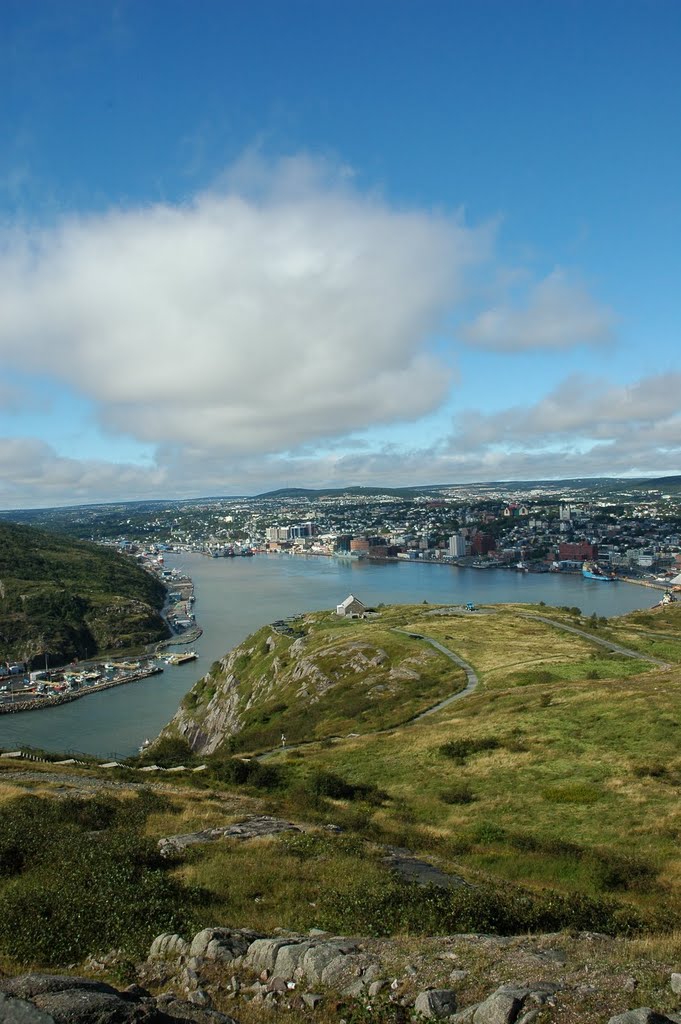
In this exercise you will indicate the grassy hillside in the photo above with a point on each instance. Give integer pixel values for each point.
(71, 599)
(561, 770)
(318, 676)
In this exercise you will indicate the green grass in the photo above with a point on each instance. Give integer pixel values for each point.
(335, 677)
(562, 742)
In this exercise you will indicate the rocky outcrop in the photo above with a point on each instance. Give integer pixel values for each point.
(64, 999)
(344, 976)
(253, 827)
(278, 669)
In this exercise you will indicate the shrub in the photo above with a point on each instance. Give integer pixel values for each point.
(461, 749)
(459, 793)
(168, 751)
(71, 891)
(405, 907)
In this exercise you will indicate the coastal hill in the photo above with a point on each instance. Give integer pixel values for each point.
(561, 767)
(71, 599)
(514, 854)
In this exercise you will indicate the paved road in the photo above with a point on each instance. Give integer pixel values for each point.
(599, 640)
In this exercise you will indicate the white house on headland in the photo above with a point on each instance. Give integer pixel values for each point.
(351, 608)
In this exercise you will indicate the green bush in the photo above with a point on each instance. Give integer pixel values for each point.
(399, 907)
(81, 878)
(459, 793)
(461, 749)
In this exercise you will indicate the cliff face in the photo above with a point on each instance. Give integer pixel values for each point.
(320, 677)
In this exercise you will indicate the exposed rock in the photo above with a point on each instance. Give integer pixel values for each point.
(457, 976)
(311, 999)
(289, 958)
(168, 946)
(502, 1007)
(18, 1011)
(26, 986)
(223, 944)
(199, 998)
(436, 1003)
(404, 863)
(676, 984)
(63, 999)
(355, 989)
(375, 987)
(262, 953)
(253, 827)
(464, 1016)
(316, 964)
(85, 1006)
(188, 1013)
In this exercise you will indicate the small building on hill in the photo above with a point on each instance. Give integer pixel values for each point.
(351, 608)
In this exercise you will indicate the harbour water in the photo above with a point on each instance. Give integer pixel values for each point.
(234, 596)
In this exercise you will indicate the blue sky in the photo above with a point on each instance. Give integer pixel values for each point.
(243, 245)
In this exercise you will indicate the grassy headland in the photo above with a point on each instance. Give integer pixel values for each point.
(68, 598)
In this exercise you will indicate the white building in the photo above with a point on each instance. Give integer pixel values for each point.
(457, 546)
(351, 608)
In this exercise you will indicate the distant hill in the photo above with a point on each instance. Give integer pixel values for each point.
(70, 599)
(356, 492)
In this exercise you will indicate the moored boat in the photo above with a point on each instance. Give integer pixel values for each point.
(591, 571)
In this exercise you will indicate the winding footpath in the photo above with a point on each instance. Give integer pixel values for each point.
(471, 676)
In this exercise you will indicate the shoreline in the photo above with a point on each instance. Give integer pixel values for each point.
(41, 703)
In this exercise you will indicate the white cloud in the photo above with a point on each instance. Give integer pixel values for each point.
(559, 313)
(583, 407)
(243, 321)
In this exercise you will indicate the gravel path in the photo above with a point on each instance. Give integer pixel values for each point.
(599, 640)
(471, 675)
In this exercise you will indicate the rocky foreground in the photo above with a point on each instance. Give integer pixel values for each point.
(225, 975)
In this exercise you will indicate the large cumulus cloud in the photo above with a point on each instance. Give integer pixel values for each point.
(241, 321)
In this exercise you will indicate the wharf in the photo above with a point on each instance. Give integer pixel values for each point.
(39, 703)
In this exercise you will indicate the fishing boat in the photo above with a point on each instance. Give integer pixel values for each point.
(591, 571)
(180, 659)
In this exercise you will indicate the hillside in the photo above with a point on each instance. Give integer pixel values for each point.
(561, 769)
(314, 677)
(517, 847)
(67, 598)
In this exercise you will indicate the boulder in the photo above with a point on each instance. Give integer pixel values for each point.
(319, 957)
(676, 984)
(289, 958)
(26, 986)
(18, 1011)
(85, 1006)
(436, 1003)
(188, 1013)
(502, 1007)
(168, 946)
(223, 944)
(262, 953)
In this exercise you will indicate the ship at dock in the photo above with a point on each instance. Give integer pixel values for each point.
(181, 659)
(591, 571)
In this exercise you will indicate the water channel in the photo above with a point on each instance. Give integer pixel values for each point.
(234, 596)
